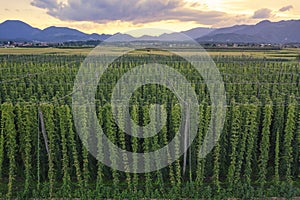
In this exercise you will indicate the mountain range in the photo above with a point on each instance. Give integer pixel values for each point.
(281, 32)
(19, 31)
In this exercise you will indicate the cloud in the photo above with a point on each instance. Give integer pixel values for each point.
(262, 13)
(286, 8)
(135, 11)
(45, 4)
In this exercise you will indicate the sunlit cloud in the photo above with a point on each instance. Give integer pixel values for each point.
(263, 13)
(286, 8)
(135, 11)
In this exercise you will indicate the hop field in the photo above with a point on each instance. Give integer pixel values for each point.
(42, 156)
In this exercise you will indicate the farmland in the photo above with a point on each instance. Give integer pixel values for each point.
(42, 156)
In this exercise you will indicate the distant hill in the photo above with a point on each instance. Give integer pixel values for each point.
(232, 38)
(61, 34)
(122, 38)
(198, 32)
(281, 32)
(18, 30)
(182, 36)
(263, 32)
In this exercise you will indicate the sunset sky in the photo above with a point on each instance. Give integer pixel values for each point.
(111, 16)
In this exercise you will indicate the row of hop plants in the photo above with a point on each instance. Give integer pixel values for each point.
(44, 78)
(249, 156)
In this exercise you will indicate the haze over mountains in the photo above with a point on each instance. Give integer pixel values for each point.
(281, 32)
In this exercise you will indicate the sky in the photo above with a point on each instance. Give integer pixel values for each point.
(112, 16)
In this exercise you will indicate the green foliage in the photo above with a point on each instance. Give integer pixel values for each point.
(264, 145)
(234, 135)
(63, 127)
(251, 134)
(200, 161)
(135, 147)
(288, 137)
(259, 145)
(26, 124)
(176, 116)
(47, 117)
(11, 143)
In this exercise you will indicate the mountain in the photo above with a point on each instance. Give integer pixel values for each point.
(232, 38)
(62, 34)
(181, 36)
(18, 30)
(119, 37)
(263, 32)
(198, 32)
(281, 32)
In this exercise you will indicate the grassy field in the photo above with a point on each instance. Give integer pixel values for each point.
(286, 54)
(48, 51)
